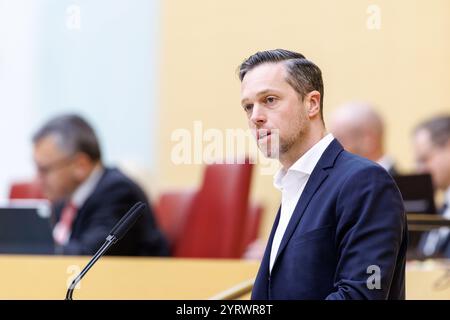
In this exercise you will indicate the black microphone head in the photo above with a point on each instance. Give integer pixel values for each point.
(127, 221)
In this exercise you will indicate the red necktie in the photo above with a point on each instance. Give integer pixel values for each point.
(62, 230)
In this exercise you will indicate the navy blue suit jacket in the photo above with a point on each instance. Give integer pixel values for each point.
(113, 196)
(349, 218)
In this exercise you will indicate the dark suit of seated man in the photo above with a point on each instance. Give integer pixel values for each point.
(432, 151)
(88, 198)
(341, 230)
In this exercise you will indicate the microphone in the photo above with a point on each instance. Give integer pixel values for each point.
(117, 233)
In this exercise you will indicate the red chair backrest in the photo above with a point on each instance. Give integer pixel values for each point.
(215, 227)
(172, 211)
(26, 190)
(252, 225)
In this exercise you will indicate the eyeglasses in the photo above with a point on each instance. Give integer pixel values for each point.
(45, 170)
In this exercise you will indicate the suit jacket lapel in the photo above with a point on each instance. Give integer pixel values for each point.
(260, 286)
(317, 177)
(82, 210)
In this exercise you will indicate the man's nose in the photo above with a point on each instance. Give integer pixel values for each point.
(258, 116)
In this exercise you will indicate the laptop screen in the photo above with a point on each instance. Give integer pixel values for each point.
(417, 192)
(25, 229)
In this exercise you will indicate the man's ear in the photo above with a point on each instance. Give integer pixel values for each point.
(313, 103)
(83, 165)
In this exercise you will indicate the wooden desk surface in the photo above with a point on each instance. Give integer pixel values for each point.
(46, 277)
(423, 278)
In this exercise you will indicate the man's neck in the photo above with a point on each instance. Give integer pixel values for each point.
(376, 155)
(84, 188)
(95, 166)
(297, 151)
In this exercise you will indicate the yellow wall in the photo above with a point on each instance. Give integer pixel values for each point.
(404, 68)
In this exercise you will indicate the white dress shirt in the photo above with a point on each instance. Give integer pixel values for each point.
(291, 183)
(61, 231)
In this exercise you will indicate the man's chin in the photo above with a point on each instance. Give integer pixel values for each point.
(269, 153)
(54, 198)
(270, 146)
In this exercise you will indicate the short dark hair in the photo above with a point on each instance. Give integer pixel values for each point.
(439, 129)
(73, 133)
(304, 75)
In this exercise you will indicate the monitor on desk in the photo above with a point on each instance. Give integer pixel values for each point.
(417, 192)
(25, 228)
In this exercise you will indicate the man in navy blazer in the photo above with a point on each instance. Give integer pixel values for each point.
(89, 198)
(111, 198)
(340, 232)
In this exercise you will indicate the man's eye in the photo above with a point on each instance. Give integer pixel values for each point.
(248, 107)
(270, 100)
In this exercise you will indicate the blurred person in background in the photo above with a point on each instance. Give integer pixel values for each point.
(88, 198)
(360, 129)
(431, 141)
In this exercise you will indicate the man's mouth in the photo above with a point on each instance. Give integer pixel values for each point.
(263, 133)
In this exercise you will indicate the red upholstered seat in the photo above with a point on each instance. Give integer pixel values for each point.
(216, 221)
(172, 210)
(216, 225)
(26, 190)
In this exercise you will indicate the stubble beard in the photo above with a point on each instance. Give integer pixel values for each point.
(288, 143)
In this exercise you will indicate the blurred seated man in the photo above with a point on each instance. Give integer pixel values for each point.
(88, 198)
(432, 151)
(360, 130)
